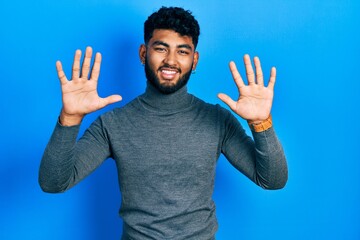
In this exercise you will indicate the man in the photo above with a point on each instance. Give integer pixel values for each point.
(165, 142)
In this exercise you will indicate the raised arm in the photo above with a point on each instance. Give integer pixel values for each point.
(66, 161)
(261, 159)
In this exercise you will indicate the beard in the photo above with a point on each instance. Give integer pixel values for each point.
(166, 89)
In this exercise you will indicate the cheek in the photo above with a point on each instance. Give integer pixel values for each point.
(154, 61)
(187, 64)
(151, 63)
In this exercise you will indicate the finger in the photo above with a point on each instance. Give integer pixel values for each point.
(272, 78)
(60, 72)
(109, 100)
(227, 100)
(259, 73)
(236, 75)
(76, 65)
(86, 64)
(249, 70)
(96, 68)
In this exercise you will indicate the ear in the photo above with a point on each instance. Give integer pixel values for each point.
(142, 53)
(195, 60)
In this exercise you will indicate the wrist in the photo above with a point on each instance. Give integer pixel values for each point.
(260, 126)
(70, 119)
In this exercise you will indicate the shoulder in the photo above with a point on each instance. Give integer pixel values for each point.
(213, 108)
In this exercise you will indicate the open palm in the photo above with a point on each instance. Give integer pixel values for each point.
(79, 95)
(255, 100)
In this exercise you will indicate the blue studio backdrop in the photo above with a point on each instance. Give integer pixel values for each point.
(315, 47)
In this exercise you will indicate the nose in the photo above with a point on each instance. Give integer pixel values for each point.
(170, 58)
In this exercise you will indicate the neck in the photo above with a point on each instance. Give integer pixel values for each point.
(155, 100)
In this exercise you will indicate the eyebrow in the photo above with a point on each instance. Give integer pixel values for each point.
(156, 43)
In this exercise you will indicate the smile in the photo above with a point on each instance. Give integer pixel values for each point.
(168, 71)
(168, 74)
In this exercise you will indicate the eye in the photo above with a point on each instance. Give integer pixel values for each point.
(160, 49)
(183, 52)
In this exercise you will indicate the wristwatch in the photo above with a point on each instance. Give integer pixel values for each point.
(261, 126)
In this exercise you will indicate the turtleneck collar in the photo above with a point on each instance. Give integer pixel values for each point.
(154, 100)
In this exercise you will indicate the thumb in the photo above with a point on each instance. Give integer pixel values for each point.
(110, 99)
(227, 100)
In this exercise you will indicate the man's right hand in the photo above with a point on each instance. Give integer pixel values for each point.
(79, 95)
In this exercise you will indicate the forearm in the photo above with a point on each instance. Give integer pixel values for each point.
(56, 168)
(260, 158)
(270, 163)
(67, 161)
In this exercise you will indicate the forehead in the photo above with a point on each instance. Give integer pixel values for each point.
(170, 37)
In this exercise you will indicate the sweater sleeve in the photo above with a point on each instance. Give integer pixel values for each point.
(261, 159)
(66, 161)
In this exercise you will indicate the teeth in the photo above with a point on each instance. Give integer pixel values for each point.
(168, 72)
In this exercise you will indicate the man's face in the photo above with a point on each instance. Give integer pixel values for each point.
(169, 59)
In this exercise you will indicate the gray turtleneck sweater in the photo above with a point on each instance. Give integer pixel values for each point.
(165, 148)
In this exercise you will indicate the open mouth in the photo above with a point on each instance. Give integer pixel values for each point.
(168, 74)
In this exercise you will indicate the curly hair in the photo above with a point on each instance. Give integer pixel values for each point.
(172, 18)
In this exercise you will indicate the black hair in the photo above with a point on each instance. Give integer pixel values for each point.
(172, 18)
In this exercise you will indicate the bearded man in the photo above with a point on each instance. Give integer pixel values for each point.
(166, 142)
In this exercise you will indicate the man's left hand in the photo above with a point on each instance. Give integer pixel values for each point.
(255, 100)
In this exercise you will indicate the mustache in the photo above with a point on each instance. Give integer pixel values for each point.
(169, 67)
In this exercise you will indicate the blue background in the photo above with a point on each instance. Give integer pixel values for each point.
(315, 47)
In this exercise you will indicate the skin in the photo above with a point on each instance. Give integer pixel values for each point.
(255, 99)
(169, 56)
(79, 95)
